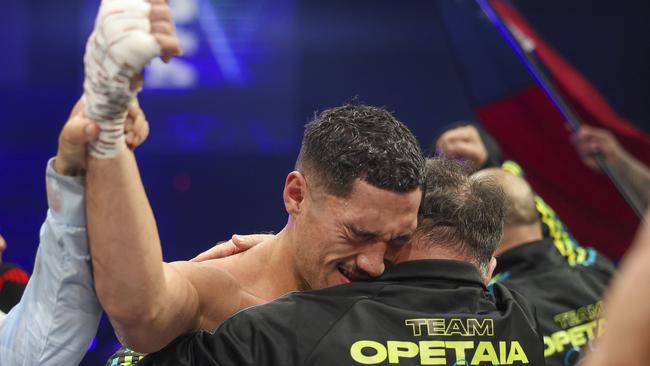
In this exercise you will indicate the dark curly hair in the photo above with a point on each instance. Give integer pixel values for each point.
(359, 141)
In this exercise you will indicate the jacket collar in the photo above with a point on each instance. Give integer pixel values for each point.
(530, 256)
(433, 269)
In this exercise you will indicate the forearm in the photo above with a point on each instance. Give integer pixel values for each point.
(627, 326)
(149, 303)
(638, 177)
(124, 241)
(58, 314)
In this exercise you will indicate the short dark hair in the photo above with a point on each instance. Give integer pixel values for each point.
(359, 141)
(461, 212)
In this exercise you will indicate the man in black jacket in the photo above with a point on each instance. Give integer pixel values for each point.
(567, 294)
(432, 308)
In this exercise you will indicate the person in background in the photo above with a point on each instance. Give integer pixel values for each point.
(591, 140)
(567, 298)
(58, 314)
(470, 142)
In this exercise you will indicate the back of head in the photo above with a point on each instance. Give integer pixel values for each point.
(460, 212)
(358, 141)
(520, 202)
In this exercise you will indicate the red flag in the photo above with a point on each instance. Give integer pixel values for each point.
(532, 131)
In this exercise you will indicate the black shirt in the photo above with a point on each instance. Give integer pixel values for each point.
(567, 297)
(420, 312)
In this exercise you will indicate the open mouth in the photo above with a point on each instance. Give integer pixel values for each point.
(350, 276)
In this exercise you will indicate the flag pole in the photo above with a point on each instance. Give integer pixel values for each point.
(525, 53)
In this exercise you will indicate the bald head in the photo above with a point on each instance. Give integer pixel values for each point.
(520, 202)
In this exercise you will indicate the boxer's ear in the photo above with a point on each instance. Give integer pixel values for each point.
(295, 192)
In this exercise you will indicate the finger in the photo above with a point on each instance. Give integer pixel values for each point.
(444, 148)
(218, 251)
(591, 163)
(80, 130)
(129, 124)
(593, 133)
(160, 12)
(141, 131)
(169, 45)
(587, 130)
(246, 242)
(465, 133)
(163, 28)
(464, 150)
(134, 108)
(129, 138)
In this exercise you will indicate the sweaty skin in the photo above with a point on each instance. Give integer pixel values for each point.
(327, 241)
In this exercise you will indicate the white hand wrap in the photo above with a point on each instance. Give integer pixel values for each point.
(118, 48)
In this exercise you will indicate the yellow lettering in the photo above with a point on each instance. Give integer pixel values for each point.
(485, 327)
(560, 339)
(590, 329)
(516, 354)
(416, 324)
(577, 334)
(436, 326)
(432, 353)
(397, 349)
(485, 353)
(460, 347)
(356, 351)
(456, 327)
(549, 348)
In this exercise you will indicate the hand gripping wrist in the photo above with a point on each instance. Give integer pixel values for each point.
(118, 48)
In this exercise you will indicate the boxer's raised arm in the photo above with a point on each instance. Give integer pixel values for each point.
(149, 302)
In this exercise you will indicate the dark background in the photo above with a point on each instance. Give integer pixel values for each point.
(227, 119)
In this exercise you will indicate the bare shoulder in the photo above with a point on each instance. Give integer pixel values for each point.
(219, 292)
(200, 272)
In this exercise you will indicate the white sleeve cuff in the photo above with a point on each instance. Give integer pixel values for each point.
(65, 197)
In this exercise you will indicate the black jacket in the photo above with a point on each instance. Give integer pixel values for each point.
(420, 312)
(567, 297)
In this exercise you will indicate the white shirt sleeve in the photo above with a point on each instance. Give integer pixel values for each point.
(59, 313)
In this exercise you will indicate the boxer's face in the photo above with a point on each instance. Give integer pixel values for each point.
(353, 238)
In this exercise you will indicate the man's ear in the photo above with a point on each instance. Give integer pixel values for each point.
(488, 274)
(295, 192)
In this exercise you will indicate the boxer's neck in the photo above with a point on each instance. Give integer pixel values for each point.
(267, 270)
